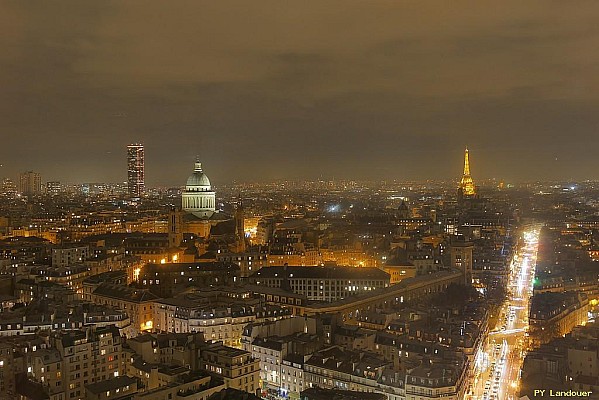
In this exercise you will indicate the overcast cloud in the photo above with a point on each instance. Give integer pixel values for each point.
(272, 89)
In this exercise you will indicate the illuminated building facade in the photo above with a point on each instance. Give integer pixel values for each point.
(224, 323)
(88, 355)
(138, 303)
(249, 262)
(197, 214)
(198, 198)
(322, 283)
(150, 248)
(71, 276)
(65, 256)
(236, 367)
(552, 315)
(467, 188)
(8, 187)
(135, 169)
(398, 273)
(53, 188)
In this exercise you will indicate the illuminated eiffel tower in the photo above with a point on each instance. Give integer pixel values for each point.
(467, 184)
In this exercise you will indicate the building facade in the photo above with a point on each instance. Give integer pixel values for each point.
(137, 303)
(30, 183)
(237, 367)
(556, 314)
(461, 251)
(69, 255)
(198, 213)
(322, 283)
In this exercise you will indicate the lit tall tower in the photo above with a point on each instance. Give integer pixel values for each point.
(467, 184)
(135, 169)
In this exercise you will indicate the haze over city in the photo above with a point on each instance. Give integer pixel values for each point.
(333, 89)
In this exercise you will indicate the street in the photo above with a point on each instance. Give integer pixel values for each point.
(499, 373)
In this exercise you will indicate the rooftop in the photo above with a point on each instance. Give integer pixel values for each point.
(110, 384)
(332, 272)
(126, 293)
(336, 394)
(184, 267)
(223, 350)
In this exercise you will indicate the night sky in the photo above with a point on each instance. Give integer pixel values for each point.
(264, 90)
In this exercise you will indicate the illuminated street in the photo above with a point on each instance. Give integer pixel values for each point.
(504, 354)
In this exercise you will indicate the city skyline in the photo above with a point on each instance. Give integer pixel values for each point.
(135, 177)
(332, 90)
(134, 182)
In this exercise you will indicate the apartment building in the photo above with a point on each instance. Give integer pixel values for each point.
(238, 368)
(322, 283)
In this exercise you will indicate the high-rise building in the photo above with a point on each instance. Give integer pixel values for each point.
(135, 169)
(467, 184)
(30, 183)
(8, 187)
(53, 188)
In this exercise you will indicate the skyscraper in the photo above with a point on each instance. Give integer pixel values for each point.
(30, 183)
(135, 169)
(8, 187)
(53, 188)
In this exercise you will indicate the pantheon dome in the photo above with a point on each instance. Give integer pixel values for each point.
(198, 198)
